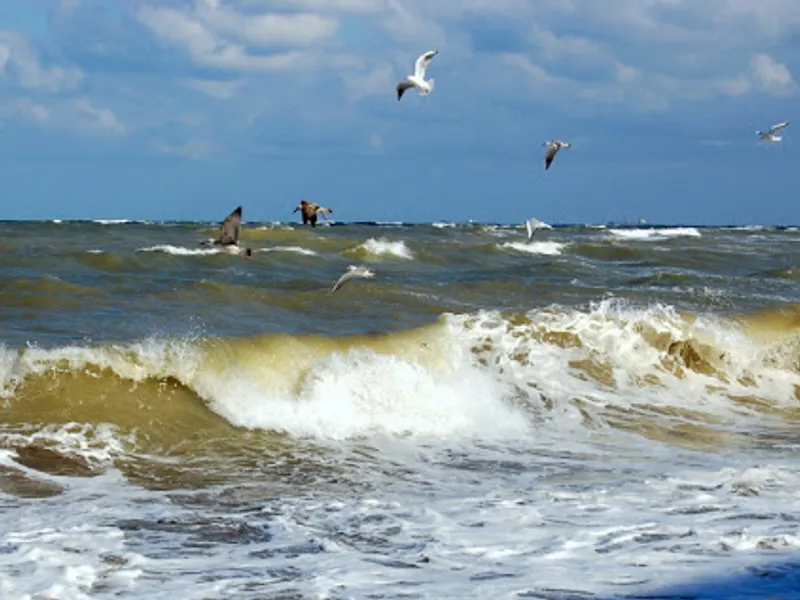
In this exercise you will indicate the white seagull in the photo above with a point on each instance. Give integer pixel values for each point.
(771, 135)
(533, 224)
(553, 146)
(351, 273)
(417, 80)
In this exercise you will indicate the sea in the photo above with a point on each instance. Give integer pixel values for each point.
(598, 412)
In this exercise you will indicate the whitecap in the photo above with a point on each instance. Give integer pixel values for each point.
(386, 247)
(547, 248)
(180, 250)
(655, 234)
(295, 249)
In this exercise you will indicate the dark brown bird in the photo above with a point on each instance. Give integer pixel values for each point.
(229, 235)
(310, 211)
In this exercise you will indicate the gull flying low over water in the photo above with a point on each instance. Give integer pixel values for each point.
(553, 146)
(352, 272)
(772, 134)
(531, 225)
(229, 235)
(310, 210)
(417, 80)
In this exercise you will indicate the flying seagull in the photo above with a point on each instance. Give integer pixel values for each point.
(417, 80)
(531, 225)
(229, 235)
(310, 210)
(553, 146)
(771, 135)
(351, 273)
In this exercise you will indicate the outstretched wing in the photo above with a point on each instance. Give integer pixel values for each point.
(231, 227)
(422, 63)
(778, 126)
(348, 275)
(402, 87)
(550, 154)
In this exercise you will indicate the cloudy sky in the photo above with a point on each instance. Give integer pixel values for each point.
(182, 109)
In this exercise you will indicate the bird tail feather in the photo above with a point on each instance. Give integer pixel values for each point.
(431, 82)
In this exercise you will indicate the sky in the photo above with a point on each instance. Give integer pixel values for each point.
(184, 109)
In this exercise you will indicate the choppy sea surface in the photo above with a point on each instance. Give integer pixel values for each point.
(599, 412)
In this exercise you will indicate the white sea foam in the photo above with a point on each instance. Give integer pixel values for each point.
(363, 393)
(655, 234)
(500, 432)
(180, 250)
(546, 248)
(275, 225)
(386, 247)
(112, 221)
(293, 249)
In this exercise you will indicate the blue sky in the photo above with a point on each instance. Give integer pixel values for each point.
(182, 109)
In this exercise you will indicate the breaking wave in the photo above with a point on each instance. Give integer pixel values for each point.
(482, 375)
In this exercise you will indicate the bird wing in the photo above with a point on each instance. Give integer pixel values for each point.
(778, 126)
(231, 227)
(529, 226)
(402, 87)
(422, 63)
(552, 150)
(343, 279)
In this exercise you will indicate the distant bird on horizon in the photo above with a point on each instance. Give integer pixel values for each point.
(229, 235)
(417, 80)
(310, 211)
(553, 146)
(352, 272)
(771, 135)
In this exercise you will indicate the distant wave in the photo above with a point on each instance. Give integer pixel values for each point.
(655, 234)
(180, 250)
(295, 249)
(112, 221)
(384, 247)
(546, 248)
(272, 225)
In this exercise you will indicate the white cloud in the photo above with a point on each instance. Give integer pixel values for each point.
(33, 110)
(5, 55)
(378, 81)
(266, 29)
(223, 90)
(194, 149)
(19, 61)
(102, 120)
(217, 36)
(771, 76)
(329, 6)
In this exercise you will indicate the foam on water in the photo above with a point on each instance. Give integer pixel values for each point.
(180, 250)
(364, 393)
(294, 249)
(386, 247)
(506, 479)
(655, 234)
(545, 248)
